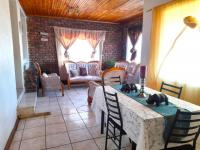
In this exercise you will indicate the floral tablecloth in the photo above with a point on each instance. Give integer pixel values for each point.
(143, 125)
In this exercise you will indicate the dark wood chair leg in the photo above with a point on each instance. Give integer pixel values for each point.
(62, 89)
(68, 84)
(42, 91)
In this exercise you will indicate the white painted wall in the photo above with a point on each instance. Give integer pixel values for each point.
(147, 22)
(8, 99)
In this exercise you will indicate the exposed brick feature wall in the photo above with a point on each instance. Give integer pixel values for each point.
(45, 52)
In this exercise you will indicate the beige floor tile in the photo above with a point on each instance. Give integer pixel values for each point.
(34, 122)
(55, 128)
(64, 99)
(75, 125)
(33, 132)
(91, 122)
(67, 106)
(65, 147)
(55, 113)
(85, 145)
(87, 115)
(18, 136)
(65, 103)
(21, 124)
(72, 117)
(54, 120)
(130, 147)
(14, 146)
(79, 135)
(96, 132)
(33, 144)
(68, 111)
(57, 140)
(101, 144)
(84, 108)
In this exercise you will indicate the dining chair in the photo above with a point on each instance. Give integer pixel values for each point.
(110, 76)
(113, 76)
(112, 80)
(176, 90)
(184, 130)
(114, 128)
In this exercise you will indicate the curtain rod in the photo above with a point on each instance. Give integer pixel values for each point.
(79, 28)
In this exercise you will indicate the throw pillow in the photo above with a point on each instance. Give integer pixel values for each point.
(83, 71)
(93, 69)
(45, 75)
(74, 73)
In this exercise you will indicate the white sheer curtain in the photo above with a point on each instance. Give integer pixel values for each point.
(175, 60)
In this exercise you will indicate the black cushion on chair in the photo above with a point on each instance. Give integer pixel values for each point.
(183, 147)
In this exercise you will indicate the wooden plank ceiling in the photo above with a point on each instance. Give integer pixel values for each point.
(96, 10)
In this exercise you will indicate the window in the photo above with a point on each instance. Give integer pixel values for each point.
(81, 50)
(178, 48)
(138, 47)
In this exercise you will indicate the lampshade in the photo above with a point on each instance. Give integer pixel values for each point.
(190, 21)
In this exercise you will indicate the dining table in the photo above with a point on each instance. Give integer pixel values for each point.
(143, 125)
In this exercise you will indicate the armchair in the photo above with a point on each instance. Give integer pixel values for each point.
(132, 73)
(122, 64)
(49, 81)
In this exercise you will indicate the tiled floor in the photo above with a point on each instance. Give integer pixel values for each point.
(71, 125)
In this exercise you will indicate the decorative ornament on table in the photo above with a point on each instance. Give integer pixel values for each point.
(142, 78)
(158, 99)
(127, 88)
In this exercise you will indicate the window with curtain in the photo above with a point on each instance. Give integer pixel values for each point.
(138, 48)
(175, 48)
(81, 50)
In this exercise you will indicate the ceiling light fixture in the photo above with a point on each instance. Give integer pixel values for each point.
(72, 10)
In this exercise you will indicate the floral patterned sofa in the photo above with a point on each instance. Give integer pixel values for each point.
(83, 72)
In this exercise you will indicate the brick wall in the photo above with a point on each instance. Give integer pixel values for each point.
(45, 52)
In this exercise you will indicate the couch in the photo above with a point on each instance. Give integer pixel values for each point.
(82, 72)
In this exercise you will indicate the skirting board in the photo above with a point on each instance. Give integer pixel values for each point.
(12, 134)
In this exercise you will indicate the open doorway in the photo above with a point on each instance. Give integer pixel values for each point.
(20, 47)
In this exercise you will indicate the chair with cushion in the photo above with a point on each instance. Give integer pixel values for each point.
(131, 68)
(184, 131)
(171, 89)
(114, 125)
(49, 81)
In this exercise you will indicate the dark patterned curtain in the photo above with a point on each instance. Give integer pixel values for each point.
(134, 34)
